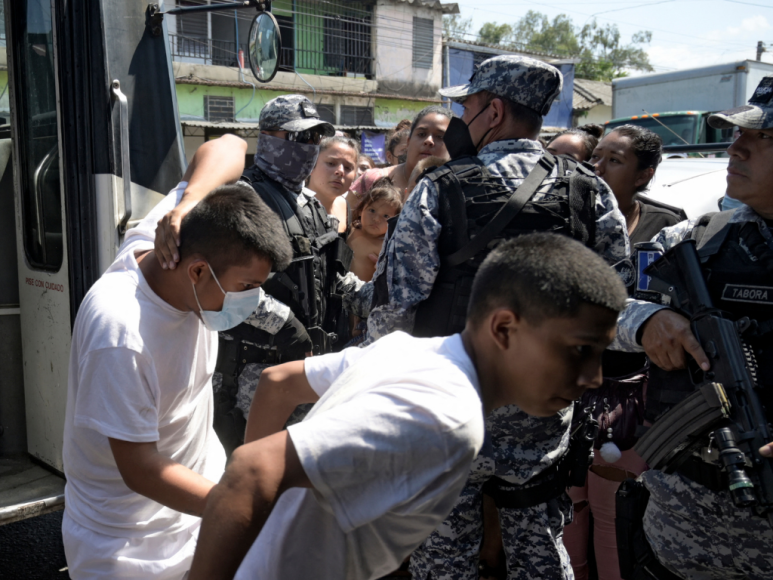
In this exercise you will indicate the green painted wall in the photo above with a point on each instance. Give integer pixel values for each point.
(391, 111)
(190, 99)
(309, 32)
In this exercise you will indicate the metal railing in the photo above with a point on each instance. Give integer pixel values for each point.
(208, 50)
(224, 53)
(330, 64)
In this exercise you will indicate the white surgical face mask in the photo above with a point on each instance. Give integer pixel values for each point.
(237, 307)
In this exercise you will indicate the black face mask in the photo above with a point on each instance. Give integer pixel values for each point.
(458, 140)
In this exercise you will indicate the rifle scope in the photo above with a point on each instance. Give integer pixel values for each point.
(740, 486)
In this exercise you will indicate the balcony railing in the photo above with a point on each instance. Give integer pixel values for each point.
(206, 50)
(224, 53)
(324, 63)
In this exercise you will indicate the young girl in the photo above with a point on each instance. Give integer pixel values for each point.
(369, 226)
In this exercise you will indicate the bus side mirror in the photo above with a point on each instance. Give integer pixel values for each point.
(265, 46)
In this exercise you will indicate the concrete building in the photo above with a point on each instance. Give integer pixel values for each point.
(365, 64)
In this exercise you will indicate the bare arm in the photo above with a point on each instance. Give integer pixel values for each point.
(280, 389)
(147, 472)
(240, 504)
(215, 163)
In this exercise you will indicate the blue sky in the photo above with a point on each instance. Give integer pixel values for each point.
(685, 33)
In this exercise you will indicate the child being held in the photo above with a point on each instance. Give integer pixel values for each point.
(369, 226)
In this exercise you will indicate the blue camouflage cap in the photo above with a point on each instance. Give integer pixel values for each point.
(293, 113)
(758, 114)
(523, 80)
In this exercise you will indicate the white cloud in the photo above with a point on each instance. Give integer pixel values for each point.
(748, 25)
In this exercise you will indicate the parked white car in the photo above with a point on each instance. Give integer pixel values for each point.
(696, 185)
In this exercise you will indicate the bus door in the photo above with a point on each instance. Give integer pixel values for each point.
(93, 142)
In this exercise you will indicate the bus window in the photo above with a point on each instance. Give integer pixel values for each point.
(37, 144)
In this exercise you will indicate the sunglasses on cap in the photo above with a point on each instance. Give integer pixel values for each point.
(309, 136)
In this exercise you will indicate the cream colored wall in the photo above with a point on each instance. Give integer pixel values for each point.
(394, 44)
(599, 114)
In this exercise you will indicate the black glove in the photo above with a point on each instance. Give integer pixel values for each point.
(292, 341)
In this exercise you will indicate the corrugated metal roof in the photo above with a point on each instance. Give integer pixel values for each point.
(450, 8)
(588, 94)
(256, 126)
(226, 126)
(361, 128)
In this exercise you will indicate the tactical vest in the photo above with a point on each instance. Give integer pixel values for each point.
(737, 264)
(477, 211)
(308, 285)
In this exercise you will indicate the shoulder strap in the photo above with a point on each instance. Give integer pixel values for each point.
(711, 236)
(506, 213)
(273, 197)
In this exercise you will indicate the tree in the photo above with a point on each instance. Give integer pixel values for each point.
(603, 55)
(455, 27)
(535, 31)
(492, 33)
(600, 50)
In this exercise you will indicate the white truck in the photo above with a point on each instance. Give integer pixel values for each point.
(676, 104)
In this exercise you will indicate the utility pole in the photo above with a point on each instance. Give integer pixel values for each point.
(760, 49)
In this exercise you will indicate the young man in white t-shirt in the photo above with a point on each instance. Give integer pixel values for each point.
(380, 460)
(140, 453)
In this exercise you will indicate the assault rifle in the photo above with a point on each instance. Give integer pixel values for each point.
(724, 407)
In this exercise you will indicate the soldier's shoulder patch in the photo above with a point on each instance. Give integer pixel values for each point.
(626, 271)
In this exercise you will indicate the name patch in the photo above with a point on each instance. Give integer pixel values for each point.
(754, 294)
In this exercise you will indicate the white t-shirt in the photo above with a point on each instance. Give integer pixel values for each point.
(140, 371)
(388, 448)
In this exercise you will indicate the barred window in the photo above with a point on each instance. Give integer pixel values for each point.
(423, 42)
(352, 116)
(193, 31)
(347, 45)
(219, 109)
(327, 113)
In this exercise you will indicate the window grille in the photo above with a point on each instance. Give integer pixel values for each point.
(193, 31)
(347, 44)
(287, 33)
(327, 113)
(423, 42)
(352, 116)
(219, 109)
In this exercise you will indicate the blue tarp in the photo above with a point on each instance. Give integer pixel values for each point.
(462, 62)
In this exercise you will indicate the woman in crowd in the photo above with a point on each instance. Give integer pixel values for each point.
(425, 139)
(578, 142)
(397, 144)
(333, 174)
(364, 162)
(626, 159)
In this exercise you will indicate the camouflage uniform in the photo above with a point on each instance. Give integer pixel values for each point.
(517, 448)
(411, 257)
(288, 163)
(637, 312)
(520, 446)
(695, 532)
